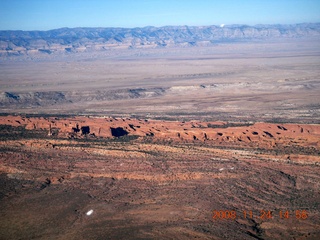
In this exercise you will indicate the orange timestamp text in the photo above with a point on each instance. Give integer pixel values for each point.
(263, 214)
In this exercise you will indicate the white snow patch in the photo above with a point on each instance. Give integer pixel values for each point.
(89, 212)
(222, 25)
(221, 169)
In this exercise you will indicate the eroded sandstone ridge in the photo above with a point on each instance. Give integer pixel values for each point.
(265, 135)
(144, 178)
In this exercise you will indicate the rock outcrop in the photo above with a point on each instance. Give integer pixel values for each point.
(299, 137)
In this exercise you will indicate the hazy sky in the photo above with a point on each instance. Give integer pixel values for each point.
(51, 14)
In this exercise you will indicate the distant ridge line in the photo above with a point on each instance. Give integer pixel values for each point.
(68, 40)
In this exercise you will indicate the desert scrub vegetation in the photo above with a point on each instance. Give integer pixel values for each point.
(14, 133)
(231, 124)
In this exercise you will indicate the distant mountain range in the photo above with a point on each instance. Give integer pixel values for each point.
(68, 40)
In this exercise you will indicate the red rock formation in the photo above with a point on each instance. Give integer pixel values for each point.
(266, 135)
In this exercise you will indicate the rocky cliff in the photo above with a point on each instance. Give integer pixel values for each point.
(68, 40)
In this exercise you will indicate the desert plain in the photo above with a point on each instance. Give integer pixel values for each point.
(217, 142)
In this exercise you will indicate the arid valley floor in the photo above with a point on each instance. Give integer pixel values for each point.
(217, 142)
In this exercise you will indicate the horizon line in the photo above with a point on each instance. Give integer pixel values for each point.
(222, 25)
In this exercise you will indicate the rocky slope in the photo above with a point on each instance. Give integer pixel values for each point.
(67, 40)
(286, 138)
(146, 179)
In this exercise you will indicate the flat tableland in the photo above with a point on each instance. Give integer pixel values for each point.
(237, 81)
